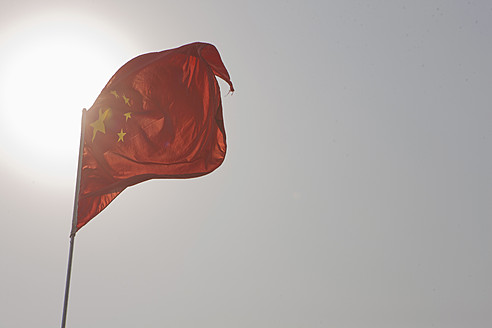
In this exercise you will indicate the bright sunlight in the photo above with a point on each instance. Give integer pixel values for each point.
(51, 68)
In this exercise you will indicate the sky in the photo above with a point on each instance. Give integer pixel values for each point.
(356, 191)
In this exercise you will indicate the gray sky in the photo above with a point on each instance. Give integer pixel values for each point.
(356, 191)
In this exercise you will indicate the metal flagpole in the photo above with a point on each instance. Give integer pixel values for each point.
(74, 220)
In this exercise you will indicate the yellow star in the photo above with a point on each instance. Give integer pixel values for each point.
(127, 116)
(115, 94)
(121, 134)
(127, 100)
(98, 125)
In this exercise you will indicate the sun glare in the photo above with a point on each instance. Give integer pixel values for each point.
(52, 67)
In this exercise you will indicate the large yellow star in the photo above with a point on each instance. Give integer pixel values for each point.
(98, 125)
(127, 116)
(127, 100)
(121, 134)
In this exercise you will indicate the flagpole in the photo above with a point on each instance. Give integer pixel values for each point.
(74, 220)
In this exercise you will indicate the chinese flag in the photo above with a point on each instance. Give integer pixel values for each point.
(159, 116)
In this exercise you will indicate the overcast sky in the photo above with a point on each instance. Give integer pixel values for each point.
(356, 191)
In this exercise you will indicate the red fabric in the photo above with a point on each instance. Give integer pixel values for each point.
(159, 116)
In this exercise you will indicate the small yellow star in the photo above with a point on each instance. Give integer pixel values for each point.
(121, 134)
(98, 125)
(127, 100)
(115, 94)
(127, 116)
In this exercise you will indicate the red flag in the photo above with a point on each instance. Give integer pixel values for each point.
(159, 116)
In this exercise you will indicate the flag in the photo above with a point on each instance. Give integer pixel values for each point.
(159, 116)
